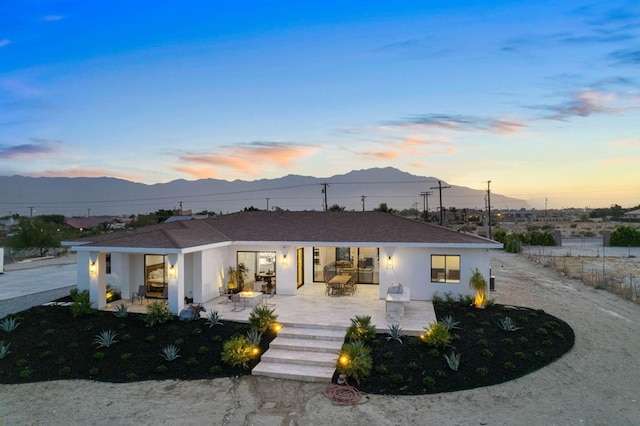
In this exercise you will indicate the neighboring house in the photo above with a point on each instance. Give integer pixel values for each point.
(92, 222)
(289, 249)
(633, 214)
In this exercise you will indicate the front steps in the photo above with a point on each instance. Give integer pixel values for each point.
(306, 353)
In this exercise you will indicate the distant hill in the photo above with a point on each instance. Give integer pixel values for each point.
(110, 196)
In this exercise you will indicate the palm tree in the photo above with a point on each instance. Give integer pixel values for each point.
(479, 284)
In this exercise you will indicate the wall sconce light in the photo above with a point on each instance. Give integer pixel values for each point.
(285, 260)
(389, 262)
(93, 268)
(172, 271)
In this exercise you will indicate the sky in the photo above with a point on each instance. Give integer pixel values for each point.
(542, 98)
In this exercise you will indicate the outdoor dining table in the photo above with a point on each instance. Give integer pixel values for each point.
(337, 284)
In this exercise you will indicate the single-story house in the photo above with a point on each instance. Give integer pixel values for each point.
(288, 249)
(633, 214)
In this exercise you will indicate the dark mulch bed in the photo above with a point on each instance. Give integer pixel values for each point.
(51, 344)
(489, 354)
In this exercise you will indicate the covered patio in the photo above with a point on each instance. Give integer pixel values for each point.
(312, 307)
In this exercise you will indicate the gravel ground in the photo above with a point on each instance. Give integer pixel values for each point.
(595, 384)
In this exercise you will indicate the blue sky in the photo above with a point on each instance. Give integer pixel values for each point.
(542, 98)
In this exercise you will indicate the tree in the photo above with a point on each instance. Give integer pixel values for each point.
(479, 284)
(336, 208)
(385, 209)
(36, 234)
(625, 236)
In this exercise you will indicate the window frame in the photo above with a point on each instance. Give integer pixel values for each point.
(447, 272)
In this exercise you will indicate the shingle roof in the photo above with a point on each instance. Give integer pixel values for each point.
(260, 226)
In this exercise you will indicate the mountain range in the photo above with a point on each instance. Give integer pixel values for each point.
(111, 196)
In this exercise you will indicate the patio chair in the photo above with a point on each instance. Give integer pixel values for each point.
(224, 293)
(266, 296)
(140, 294)
(237, 301)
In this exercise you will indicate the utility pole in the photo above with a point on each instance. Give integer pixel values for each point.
(267, 203)
(31, 209)
(489, 204)
(545, 208)
(180, 208)
(88, 212)
(440, 188)
(362, 197)
(324, 191)
(425, 199)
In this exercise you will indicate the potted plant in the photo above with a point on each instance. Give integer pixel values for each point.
(479, 284)
(237, 277)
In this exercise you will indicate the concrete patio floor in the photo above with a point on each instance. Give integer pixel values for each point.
(311, 306)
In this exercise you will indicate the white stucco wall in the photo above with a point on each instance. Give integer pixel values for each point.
(412, 268)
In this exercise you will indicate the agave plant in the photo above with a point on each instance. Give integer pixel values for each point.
(121, 311)
(453, 360)
(170, 352)
(4, 349)
(395, 332)
(9, 324)
(507, 324)
(255, 336)
(213, 318)
(449, 322)
(106, 338)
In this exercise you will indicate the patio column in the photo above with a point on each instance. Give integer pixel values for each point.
(176, 282)
(97, 279)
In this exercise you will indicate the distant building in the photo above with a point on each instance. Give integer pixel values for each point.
(633, 214)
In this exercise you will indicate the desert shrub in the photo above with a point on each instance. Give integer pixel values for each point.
(81, 303)
(161, 368)
(437, 335)
(121, 311)
(482, 371)
(125, 356)
(157, 313)
(254, 336)
(64, 371)
(450, 323)
(192, 361)
(507, 324)
(361, 329)
(540, 354)
(559, 335)
(98, 355)
(132, 377)
(486, 353)
(203, 350)
(179, 341)
(433, 353)
(216, 338)
(624, 236)
(453, 360)
(523, 340)
(213, 318)
(413, 366)
(262, 318)
(436, 298)
(4, 349)
(519, 355)
(396, 378)
(216, 369)
(483, 343)
(387, 355)
(542, 331)
(355, 360)
(429, 382)
(441, 374)
(170, 353)
(150, 338)
(509, 366)
(381, 369)
(25, 373)
(508, 341)
(395, 333)
(237, 352)
(105, 339)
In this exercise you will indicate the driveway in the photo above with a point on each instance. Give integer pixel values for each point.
(597, 383)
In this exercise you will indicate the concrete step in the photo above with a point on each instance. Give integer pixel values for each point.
(306, 345)
(283, 356)
(313, 333)
(305, 373)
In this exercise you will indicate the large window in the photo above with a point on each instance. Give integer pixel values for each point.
(445, 268)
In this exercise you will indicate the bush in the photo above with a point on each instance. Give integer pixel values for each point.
(262, 318)
(355, 361)
(624, 236)
(157, 313)
(437, 335)
(81, 303)
(237, 352)
(361, 329)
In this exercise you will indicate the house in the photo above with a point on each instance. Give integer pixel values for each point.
(633, 214)
(288, 249)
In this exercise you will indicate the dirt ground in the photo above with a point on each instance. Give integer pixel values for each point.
(595, 383)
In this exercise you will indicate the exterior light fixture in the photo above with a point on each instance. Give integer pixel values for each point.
(285, 260)
(389, 262)
(172, 271)
(93, 268)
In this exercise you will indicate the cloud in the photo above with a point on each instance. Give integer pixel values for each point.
(52, 18)
(4, 42)
(250, 158)
(461, 123)
(626, 57)
(38, 148)
(622, 160)
(583, 104)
